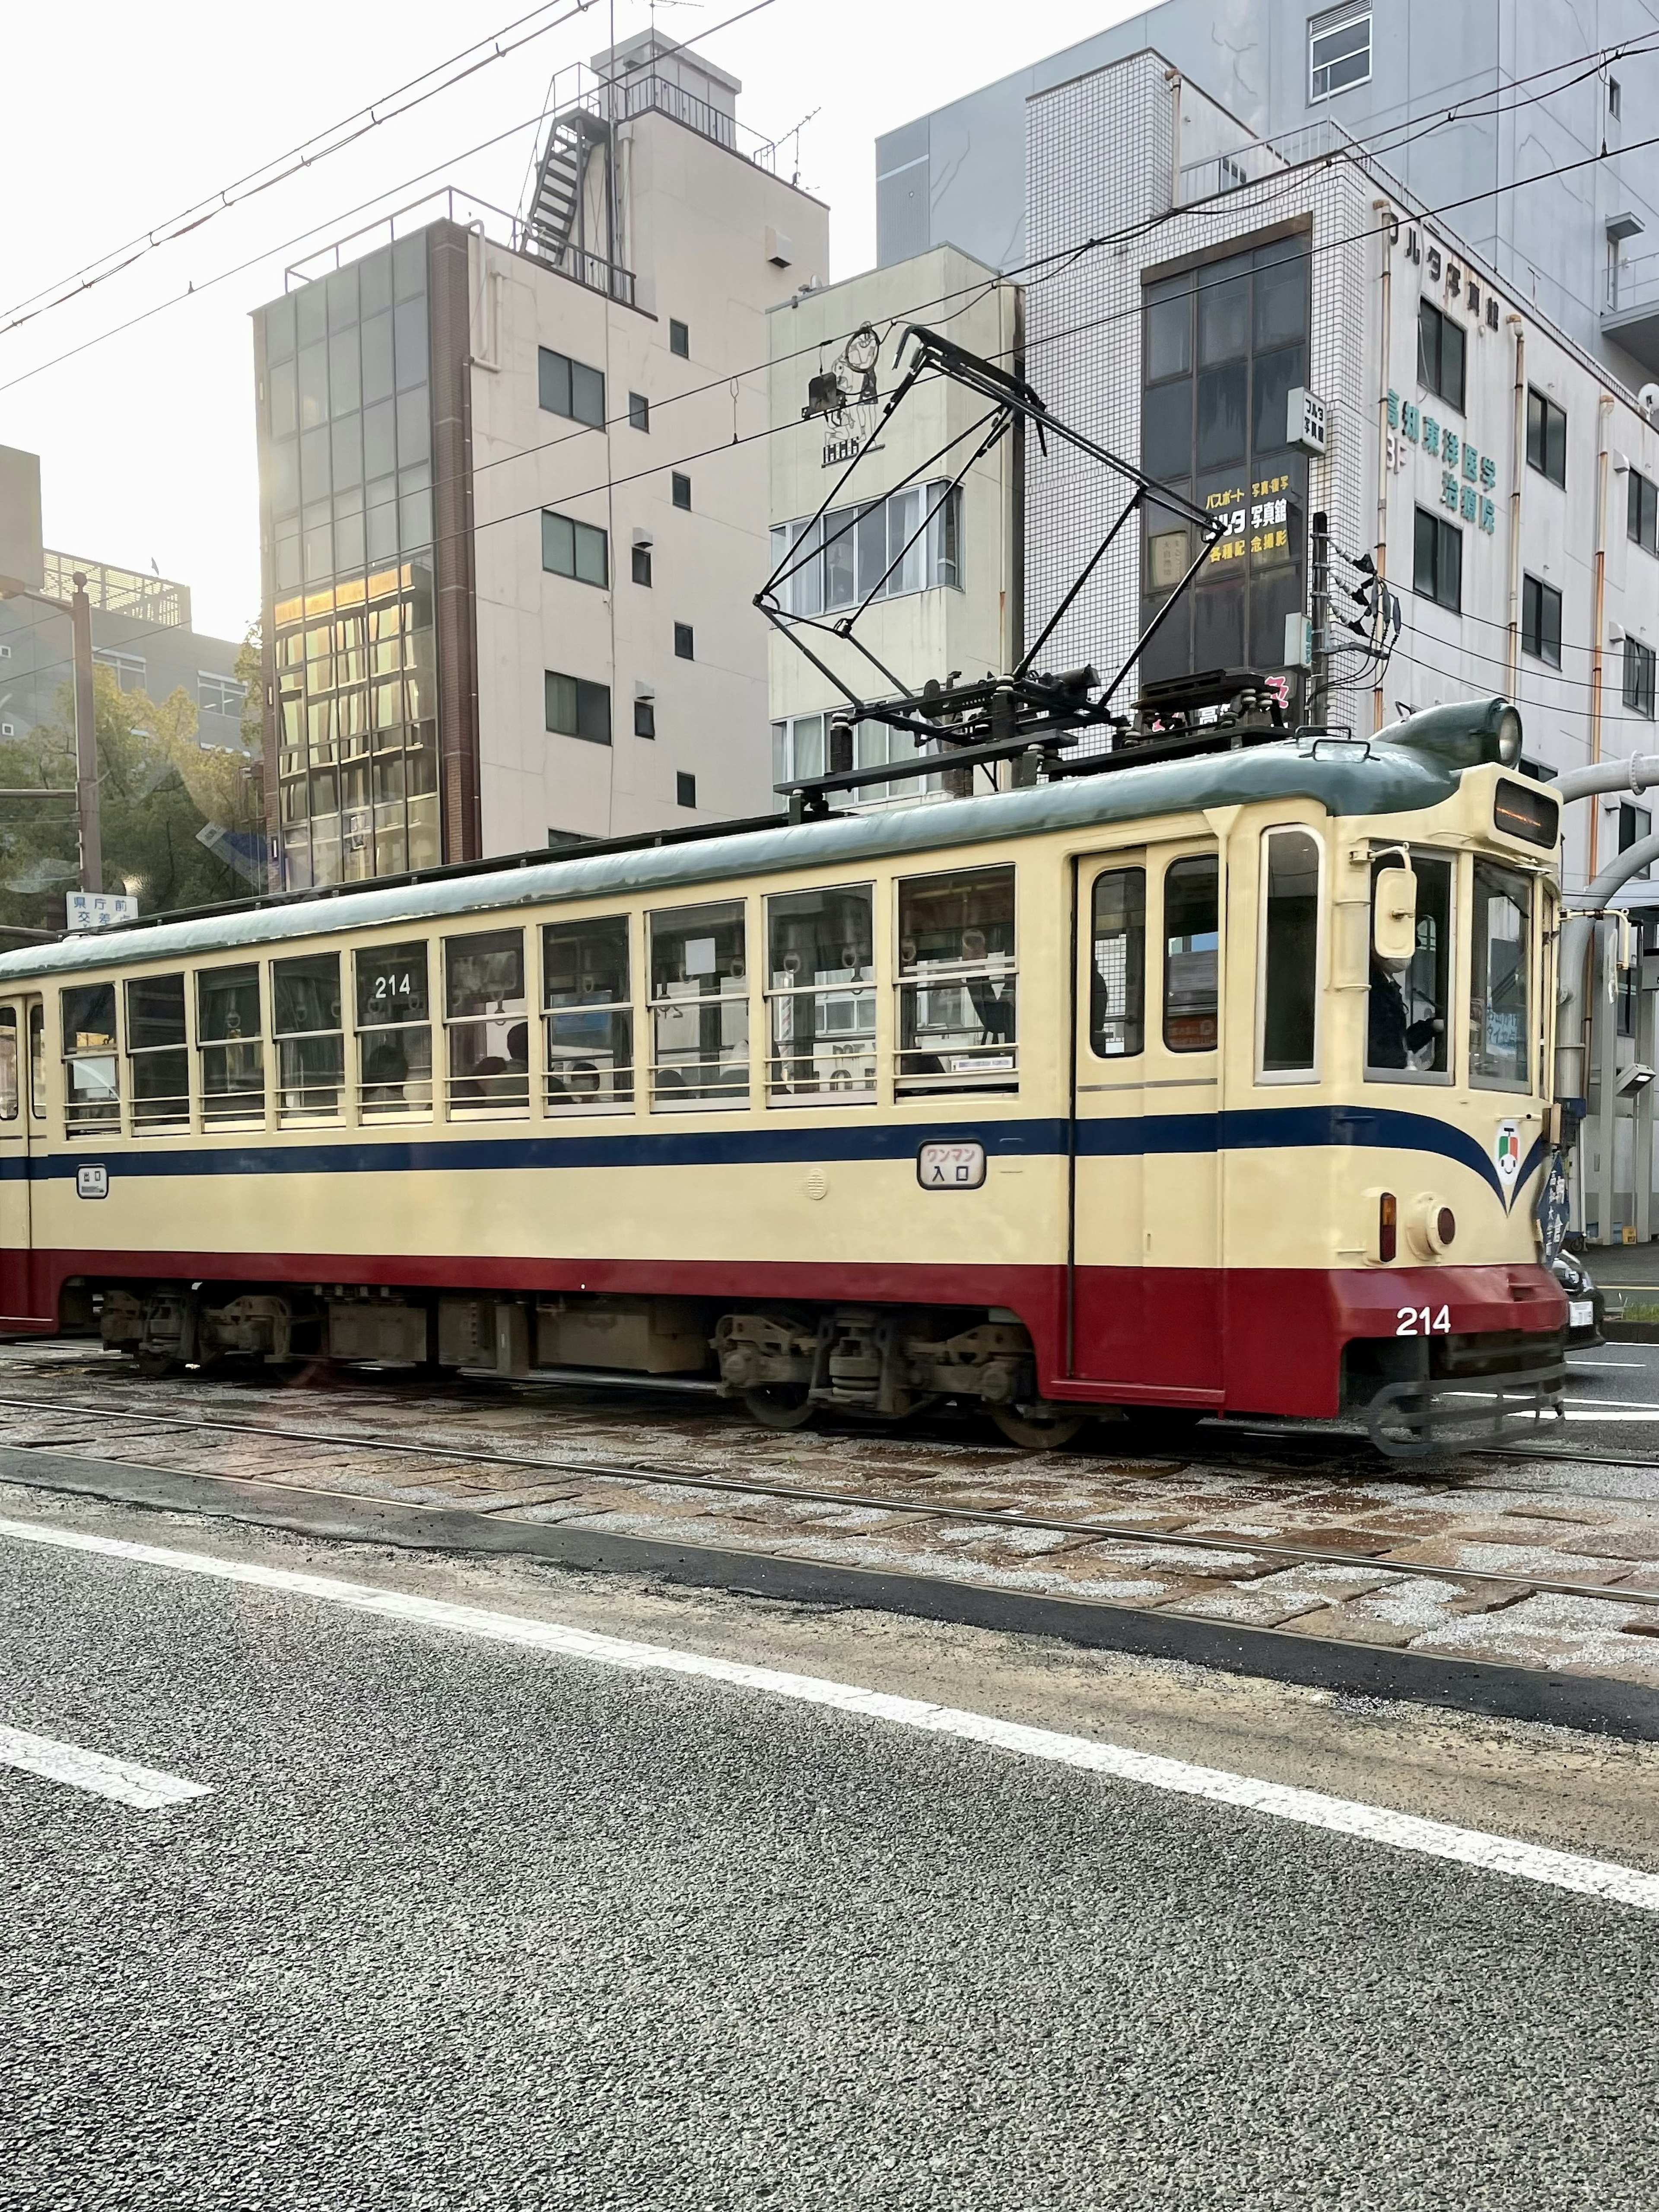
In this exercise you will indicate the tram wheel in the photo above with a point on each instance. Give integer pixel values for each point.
(156, 1366)
(1037, 1431)
(779, 1405)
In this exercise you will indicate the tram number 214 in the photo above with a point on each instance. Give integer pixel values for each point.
(1418, 1320)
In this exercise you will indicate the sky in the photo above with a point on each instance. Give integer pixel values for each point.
(137, 392)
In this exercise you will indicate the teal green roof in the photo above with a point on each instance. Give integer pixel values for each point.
(1393, 779)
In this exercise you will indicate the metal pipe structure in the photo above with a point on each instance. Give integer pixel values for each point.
(1578, 938)
(1637, 773)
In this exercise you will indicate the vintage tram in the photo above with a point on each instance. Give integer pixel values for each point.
(1214, 1084)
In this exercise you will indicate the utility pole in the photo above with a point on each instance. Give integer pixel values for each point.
(79, 611)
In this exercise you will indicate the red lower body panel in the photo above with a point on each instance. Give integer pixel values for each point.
(1258, 1341)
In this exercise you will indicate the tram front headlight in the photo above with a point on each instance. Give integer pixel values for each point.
(1508, 738)
(1431, 1225)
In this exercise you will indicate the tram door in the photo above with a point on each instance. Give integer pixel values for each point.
(22, 1134)
(1145, 1283)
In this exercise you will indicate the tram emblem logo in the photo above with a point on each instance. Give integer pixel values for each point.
(1507, 1153)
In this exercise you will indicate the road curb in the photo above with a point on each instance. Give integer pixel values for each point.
(1593, 1703)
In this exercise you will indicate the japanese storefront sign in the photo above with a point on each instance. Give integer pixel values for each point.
(1468, 477)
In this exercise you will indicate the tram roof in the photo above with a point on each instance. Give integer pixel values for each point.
(1412, 766)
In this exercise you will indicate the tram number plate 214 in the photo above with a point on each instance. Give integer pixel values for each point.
(950, 1167)
(1422, 1321)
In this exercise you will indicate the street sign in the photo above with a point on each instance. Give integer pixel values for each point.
(100, 909)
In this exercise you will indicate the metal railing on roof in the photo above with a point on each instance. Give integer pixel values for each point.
(112, 591)
(453, 204)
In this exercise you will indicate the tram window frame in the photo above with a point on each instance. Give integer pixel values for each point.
(89, 1115)
(1271, 955)
(319, 1094)
(1178, 870)
(38, 1084)
(991, 1065)
(728, 1087)
(1427, 866)
(1130, 930)
(404, 954)
(809, 1013)
(480, 1089)
(582, 1033)
(157, 1111)
(1496, 880)
(242, 1053)
(11, 1066)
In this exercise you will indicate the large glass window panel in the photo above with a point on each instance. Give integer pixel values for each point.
(588, 1014)
(414, 426)
(1168, 328)
(345, 391)
(699, 1007)
(92, 1083)
(319, 543)
(347, 447)
(1117, 966)
(414, 516)
(283, 397)
(840, 577)
(870, 537)
(957, 982)
(1289, 952)
(1408, 1008)
(379, 382)
(374, 282)
(821, 997)
(408, 266)
(380, 518)
(228, 1040)
(279, 331)
(310, 307)
(1192, 953)
(1500, 1036)
(1221, 415)
(410, 343)
(341, 286)
(155, 1050)
(394, 1031)
(1224, 313)
(283, 466)
(1281, 293)
(313, 386)
(1166, 430)
(316, 475)
(905, 517)
(1276, 376)
(486, 1017)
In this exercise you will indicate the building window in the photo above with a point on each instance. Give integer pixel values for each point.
(571, 388)
(1438, 572)
(685, 789)
(1547, 438)
(576, 708)
(574, 549)
(1635, 825)
(128, 668)
(679, 339)
(1638, 677)
(911, 541)
(644, 717)
(217, 695)
(1338, 50)
(1641, 513)
(642, 565)
(798, 749)
(639, 410)
(681, 487)
(1440, 350)
(1540, 621)
(682, 643)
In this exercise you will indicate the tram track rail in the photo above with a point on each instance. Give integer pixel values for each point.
(655, 1475)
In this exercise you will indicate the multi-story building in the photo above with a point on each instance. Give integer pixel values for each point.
(142, 629)
(1460, 103)
(514, 496)
(939, 565)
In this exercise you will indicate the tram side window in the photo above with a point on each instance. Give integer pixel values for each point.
(1500, 1038)
(92, 1079)
(1289, 952)
(487, 1020)
(699, 1007)
(8, 1087)
(1117, 967)
(305, 1007)
(228, 1041)
(957, 982)
(157, 1049)
(394, 1031)
(1192, 953)
(589, 1015)
(37, 1063)
(821, 995)
(1406, 1025)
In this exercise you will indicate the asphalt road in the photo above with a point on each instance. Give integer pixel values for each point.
(1613, 1404)
(467, 1925)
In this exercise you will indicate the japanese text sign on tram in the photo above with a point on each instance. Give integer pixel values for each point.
(99, 909)
(951, 1166)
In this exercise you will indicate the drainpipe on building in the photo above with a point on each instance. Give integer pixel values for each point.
(1385, 226)
(1172, 78)
(1603, 416)
(1517, 466)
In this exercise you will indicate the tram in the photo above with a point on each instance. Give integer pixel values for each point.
(1217, 1084)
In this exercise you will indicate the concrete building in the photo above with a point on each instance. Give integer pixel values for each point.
(514, 494)
(142, 629)
(951, 597)
(1580, 249)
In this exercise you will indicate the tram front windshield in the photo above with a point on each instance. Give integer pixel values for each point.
(1408, 1009)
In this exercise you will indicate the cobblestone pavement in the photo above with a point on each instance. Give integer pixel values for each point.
(1521, 1521)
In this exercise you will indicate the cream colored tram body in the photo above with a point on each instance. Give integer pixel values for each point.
(1089, 1095)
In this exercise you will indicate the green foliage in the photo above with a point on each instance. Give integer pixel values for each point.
(157, 788)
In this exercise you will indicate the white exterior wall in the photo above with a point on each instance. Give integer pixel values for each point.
(696, 230)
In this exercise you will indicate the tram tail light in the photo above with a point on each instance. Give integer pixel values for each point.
(1387, 1225)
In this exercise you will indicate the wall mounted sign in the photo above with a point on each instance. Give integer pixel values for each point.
(845, 396)
(1468, 477)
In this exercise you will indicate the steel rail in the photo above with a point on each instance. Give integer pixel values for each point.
(1098, 1531)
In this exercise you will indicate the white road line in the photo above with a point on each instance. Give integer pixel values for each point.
(146, 1787)
(1309, 1808)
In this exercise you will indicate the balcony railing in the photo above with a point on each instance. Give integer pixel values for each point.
(163, 604)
